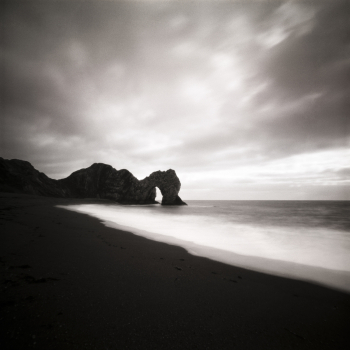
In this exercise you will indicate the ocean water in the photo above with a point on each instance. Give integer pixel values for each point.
(309, 240)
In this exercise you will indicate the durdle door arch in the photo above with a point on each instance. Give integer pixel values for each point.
(169, 185)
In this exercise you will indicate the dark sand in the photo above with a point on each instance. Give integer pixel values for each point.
(69, 282)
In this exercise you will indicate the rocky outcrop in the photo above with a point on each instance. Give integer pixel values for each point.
(97, 181)
(100, 181)
(144, 191)
(20, 176)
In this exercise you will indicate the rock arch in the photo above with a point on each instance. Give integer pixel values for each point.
(168, 183)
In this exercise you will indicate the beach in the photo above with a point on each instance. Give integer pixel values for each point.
(70, 282)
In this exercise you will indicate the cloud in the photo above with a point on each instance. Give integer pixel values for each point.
(202, 87)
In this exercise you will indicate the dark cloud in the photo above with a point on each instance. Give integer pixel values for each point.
(313, 62)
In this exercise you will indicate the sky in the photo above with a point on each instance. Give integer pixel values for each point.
(245, 100)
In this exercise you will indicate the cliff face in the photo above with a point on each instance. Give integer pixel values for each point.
(21, 177)
(97, 181)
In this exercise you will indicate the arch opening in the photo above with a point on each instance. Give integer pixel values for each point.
(159, 196)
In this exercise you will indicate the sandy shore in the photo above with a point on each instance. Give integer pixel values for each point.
(69, 282)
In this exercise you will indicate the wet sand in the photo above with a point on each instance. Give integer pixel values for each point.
(69, 282)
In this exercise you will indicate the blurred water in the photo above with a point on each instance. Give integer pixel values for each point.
(312, 233)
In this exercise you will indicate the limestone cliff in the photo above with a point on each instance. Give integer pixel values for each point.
(144, 191)
(97, 181)
(20, 176)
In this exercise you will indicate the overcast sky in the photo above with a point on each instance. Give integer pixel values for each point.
(244, 100)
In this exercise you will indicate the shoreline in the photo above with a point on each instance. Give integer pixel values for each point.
(68, 281)
(331, 278)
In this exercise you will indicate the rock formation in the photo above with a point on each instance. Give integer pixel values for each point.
(144, 191)
(21, 177)
(97, 181)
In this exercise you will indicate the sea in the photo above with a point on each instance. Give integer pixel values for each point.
(307, 240)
